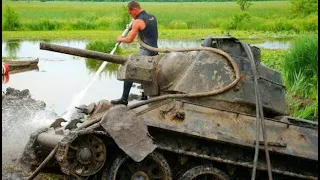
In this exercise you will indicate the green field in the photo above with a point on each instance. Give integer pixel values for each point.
(200, 12)
(178, 34)
(273, 16)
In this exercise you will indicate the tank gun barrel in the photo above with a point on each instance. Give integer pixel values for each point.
(84, 53)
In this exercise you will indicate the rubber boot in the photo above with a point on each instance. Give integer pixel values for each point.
(125, 94)
(143, 96)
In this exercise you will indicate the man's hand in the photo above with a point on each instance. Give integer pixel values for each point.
(120, 39)
(138, 24)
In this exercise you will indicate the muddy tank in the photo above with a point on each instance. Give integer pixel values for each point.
(198, 123)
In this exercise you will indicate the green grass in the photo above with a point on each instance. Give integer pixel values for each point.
(106, 47)
(301, 76)
(264, 16)
(299, 69)
(300, 104)
(302, 58)
(173, 34)
(273, 59)
(8, 58)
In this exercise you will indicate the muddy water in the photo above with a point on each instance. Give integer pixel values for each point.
(273, 44)
(60, 77)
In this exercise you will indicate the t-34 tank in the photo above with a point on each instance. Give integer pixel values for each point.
(200, 121)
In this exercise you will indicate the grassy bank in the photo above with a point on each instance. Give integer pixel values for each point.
(301, 76)
(271, 16)
(299, 69)
(111, 35)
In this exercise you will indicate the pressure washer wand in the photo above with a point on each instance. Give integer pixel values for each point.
(124, 34)
(102, 66)
(52, 153)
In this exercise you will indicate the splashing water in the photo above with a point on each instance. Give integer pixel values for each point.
(77, 99)
(80, 95)
(21, 116)
(15, 138)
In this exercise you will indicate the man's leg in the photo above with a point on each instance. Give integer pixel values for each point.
(125, 93)
(126, 89)
(127, 86)
(143, 96)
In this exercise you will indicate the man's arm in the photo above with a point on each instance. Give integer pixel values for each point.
(137, 25)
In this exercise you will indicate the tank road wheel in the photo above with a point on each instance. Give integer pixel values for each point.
(154, 166)
(85, 156)
(204, 172)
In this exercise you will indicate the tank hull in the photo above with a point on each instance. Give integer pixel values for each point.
(227, 138)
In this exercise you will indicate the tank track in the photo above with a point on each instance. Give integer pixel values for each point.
(61, 154)
(202, 149)
(227, 154)
(155, 156)
(63, 148)
(204, 169)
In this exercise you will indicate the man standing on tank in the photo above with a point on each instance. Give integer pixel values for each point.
(145, 25)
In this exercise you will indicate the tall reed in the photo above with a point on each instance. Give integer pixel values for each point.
(301, 77)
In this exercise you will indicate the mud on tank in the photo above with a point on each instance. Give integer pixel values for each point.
(181, 137)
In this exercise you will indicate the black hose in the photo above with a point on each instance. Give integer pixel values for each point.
(260, 118)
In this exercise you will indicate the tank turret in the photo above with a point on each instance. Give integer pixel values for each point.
(198, 72)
